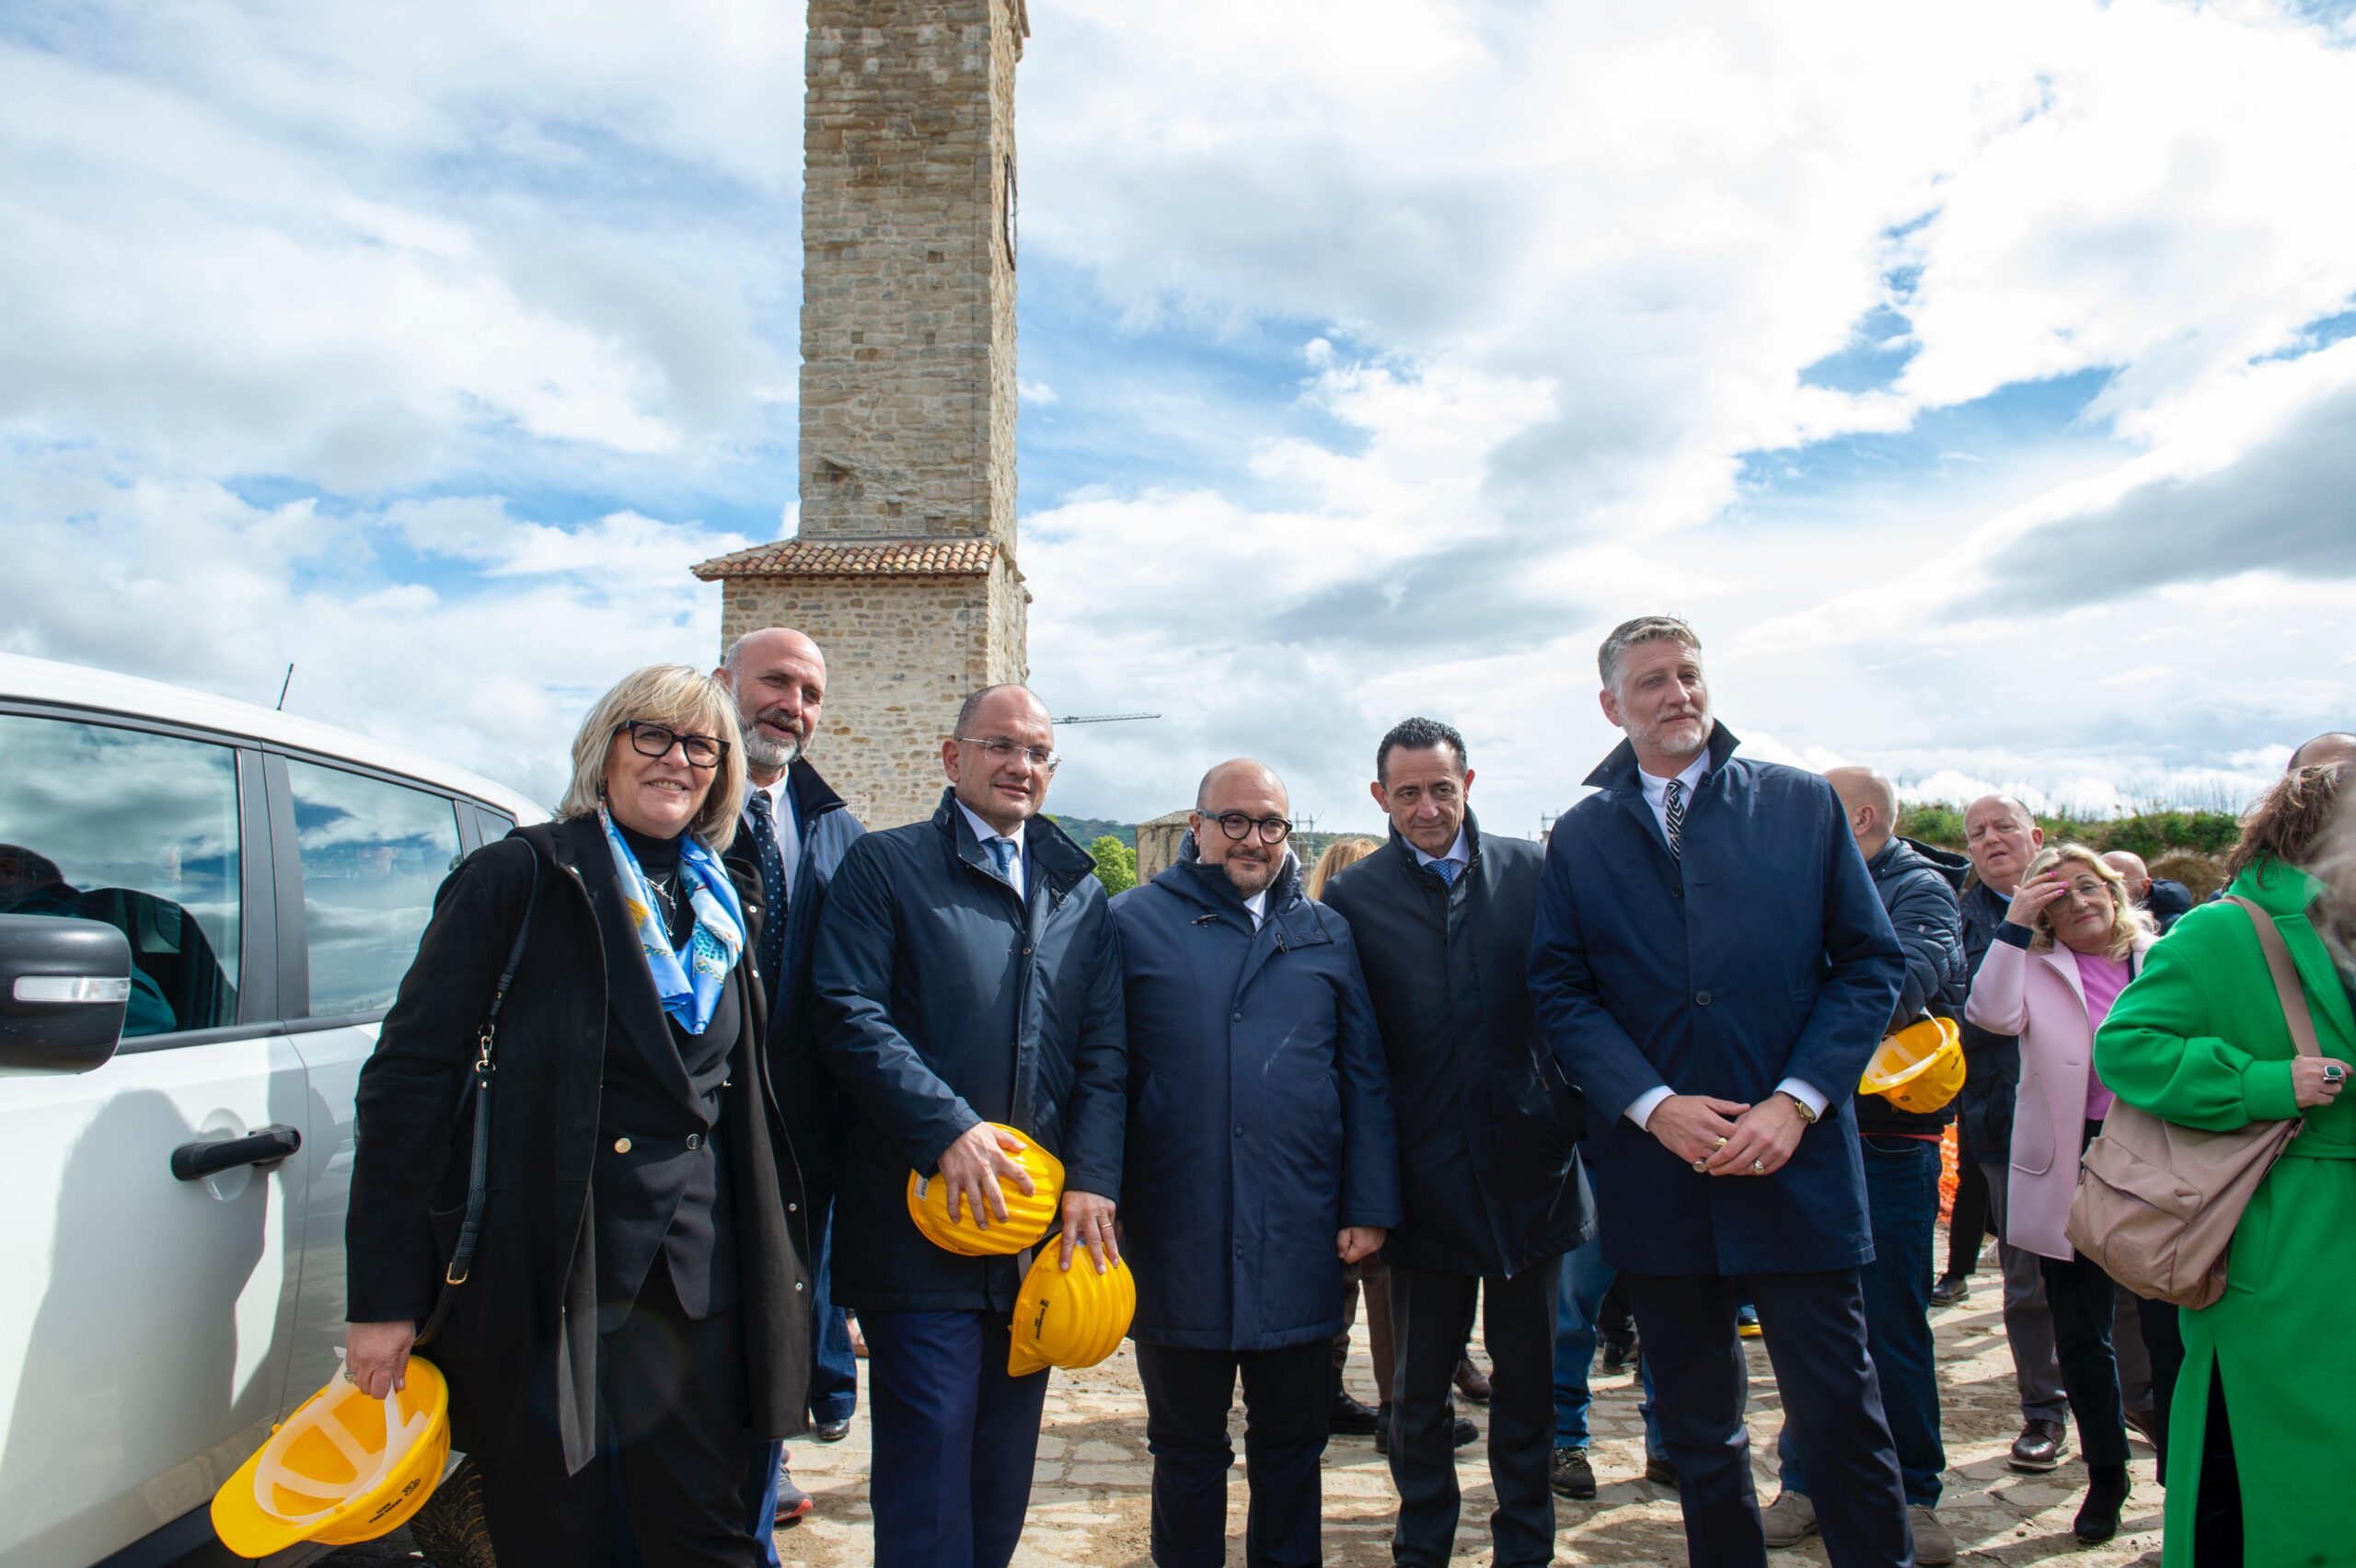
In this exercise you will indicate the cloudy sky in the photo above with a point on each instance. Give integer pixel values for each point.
(1983, 385)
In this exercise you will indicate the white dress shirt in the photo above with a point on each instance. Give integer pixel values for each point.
(984, 833)
(1258, 905)
(1640, 1109)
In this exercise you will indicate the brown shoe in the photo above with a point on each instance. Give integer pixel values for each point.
(1933, 1543)
(1471, 1382)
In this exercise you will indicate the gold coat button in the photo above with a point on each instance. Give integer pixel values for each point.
(621, 1145)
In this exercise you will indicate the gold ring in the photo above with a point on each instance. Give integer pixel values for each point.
(1701, 1166)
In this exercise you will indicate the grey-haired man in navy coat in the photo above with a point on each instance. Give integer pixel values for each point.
(1713, 969)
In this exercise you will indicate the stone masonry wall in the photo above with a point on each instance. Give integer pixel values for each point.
(901, 653)
(907, 317)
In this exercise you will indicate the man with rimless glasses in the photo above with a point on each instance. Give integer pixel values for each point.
(1261, 1162)
(965, 973)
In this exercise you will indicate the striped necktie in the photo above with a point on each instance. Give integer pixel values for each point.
(1673, 810)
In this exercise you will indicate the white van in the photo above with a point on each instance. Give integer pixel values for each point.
(205, 909)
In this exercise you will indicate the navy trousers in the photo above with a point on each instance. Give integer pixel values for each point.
(955, 1438)
(1816, 1336)
(1431, 1314)
(833, 1378)
(1287, 1402)
(1902, 1207)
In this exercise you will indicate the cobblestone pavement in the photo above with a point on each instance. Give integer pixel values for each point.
(1088, 1504)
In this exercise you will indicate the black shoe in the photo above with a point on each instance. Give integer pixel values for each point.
(1574, 1477)
(830, 1431)
(1660, 1472)
(1350, 1418)
(1620, 1353)
(2039, 1446)
(1950, 1289)
(1382, 1428)
(2097, 1518)
(1465, 1432)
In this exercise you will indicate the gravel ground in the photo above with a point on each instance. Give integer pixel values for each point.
(1090, 1501)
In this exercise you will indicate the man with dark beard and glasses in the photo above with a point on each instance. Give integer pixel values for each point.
(792, 835)
(1261, 1161)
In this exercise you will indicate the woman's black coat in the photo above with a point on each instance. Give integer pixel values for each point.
(520, 1342)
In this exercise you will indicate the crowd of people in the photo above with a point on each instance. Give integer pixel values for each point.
(669, 1059)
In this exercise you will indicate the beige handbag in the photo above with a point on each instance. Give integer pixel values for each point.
(2157, 1203)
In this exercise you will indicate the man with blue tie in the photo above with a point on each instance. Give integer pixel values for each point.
(1713, 968)
(1441, 920)
(792, 835)
(967, 974)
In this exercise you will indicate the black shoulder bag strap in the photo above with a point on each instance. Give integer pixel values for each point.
(462, 1256)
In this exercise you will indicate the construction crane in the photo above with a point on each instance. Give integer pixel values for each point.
(1104, 718)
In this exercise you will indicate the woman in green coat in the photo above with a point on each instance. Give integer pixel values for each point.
(2200, 1039)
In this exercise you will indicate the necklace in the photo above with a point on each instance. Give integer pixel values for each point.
(662, 890)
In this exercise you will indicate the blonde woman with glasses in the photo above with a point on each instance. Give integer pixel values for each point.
(638, 1295)
(2069, 943)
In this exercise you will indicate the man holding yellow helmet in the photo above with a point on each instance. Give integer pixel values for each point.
(1898, 1137)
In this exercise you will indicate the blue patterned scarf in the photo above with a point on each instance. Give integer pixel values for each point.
(690, 990)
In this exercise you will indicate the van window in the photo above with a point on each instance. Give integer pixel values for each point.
(139, 831)
(372, 854)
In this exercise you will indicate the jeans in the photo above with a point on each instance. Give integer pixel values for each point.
(1902, 1210)
(1587, 1280)
(834, 1382)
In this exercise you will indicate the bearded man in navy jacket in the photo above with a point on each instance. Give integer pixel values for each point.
(1713, 969)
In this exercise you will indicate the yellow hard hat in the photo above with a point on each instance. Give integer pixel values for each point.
(1070, 1318)
(344, 1468)
(1027, 1218)
(1919, 1068)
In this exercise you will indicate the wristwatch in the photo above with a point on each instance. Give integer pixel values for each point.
(1808, 1117)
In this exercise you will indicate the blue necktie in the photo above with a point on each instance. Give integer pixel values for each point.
(1448, 870)
(771, 957)
(1002, 851)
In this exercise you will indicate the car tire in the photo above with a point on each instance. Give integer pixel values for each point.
(450, 1530)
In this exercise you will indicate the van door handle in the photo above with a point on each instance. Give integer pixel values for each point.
(265, 1145)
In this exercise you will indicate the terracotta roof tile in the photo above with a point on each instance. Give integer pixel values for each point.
(880, 558)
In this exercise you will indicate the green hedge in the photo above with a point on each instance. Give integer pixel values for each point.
(2148, 833)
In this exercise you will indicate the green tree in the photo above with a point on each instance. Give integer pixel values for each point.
(1116, 864)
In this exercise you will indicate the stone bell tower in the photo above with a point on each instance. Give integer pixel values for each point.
(904, 569)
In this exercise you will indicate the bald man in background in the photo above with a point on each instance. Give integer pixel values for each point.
(2332, 747)
(1917, 886)
(2164, 900)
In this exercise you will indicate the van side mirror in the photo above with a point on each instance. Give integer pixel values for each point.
(64, 985)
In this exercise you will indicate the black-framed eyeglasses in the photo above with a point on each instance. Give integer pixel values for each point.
(1000, 750)
(649, 739)
(1237, 826)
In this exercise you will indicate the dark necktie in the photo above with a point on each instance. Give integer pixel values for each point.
(771, 957)
(1673, 811)
(1448, 870)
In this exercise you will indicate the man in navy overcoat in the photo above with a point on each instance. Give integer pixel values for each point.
(1262, 1160)
(1713, 969)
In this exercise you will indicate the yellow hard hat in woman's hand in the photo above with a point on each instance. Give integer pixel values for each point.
(344, 1468)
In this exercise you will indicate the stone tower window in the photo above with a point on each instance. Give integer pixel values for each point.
(1008, 226)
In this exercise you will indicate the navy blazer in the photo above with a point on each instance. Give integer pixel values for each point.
(1764, 953)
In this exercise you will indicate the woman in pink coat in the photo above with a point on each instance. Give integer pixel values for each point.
(2069, 944)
